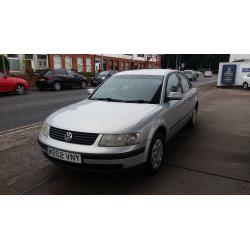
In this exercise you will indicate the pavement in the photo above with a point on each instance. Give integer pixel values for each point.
(213, 158)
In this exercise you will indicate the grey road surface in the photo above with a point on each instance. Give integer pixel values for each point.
(35, 106)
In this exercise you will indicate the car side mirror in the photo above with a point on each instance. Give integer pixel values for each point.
(175, 96)
(90, 91)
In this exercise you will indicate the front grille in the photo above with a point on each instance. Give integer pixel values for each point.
(77, 137)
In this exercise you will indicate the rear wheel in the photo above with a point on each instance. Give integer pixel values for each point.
(83, 85)
(193, 119)
(20, 89)
(57, 86)
(156, 154)
(245, 85)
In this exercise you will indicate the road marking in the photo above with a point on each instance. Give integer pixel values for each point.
(21, 129)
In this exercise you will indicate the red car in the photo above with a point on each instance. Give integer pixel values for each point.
(12, 84)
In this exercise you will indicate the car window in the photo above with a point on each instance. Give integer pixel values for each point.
(61, 72)
(48, 73)
(71, 72)
(1, 75)
(173, 85)
(184, 83)
(131, 88)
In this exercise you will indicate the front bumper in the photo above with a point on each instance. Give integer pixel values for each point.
(95, 157)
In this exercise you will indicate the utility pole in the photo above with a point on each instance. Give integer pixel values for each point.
(176, 61)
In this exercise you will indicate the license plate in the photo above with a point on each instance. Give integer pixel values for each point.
(64, 155)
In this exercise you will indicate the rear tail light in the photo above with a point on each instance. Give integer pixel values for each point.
(49, 77)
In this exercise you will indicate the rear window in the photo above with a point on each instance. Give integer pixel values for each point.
(47, 73)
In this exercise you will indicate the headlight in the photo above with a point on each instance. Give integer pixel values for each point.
(45, 130)
(103, 77)
(119, 140)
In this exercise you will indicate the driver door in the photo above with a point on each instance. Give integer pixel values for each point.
(173, 109)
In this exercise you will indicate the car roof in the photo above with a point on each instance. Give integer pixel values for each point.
(159, 72)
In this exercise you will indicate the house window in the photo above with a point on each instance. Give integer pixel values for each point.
(88, 65)
(57, 62)
(14, 62)
(141, 55)
(28, 56)
(68, 62)
(79, 64)
(42, 62)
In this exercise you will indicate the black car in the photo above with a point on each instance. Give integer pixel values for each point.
(60, 78)
(99, 78)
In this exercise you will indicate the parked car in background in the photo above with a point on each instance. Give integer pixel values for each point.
(60, 78)
(208, 73)
(104, 75)
(12, 84)
(123, 123)
(191, 74)
(246, 81)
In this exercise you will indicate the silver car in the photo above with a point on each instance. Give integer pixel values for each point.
(123, 123)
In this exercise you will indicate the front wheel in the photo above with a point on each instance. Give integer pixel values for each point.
(156, 154)
(57, 86)
(245, 85)
(20, 89)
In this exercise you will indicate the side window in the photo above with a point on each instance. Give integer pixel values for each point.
(173, 85)
(1, 75)
(61, 72)
(184, 83)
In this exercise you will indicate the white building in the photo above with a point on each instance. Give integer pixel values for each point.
(20, 62)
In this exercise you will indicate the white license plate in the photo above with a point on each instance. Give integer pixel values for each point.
(65, 156)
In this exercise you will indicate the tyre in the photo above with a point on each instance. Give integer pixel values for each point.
(83, 85)
(19, 89)
(193, 119)
(156, 154)
(57, 86)
(245, 85)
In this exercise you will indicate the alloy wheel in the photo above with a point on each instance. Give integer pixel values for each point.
(19, 89)
(157, 153)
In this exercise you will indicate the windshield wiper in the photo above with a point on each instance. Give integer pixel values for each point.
(138, 101)
(107, 99)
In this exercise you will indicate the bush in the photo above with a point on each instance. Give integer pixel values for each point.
(87, 74)
(6, 63)
(40, 70)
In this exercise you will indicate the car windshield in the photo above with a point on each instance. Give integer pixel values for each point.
(130, 88)
(103, 73)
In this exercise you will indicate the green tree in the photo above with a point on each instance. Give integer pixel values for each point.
(195, 61)
(5, 65)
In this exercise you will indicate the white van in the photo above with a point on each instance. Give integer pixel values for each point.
(234, 74)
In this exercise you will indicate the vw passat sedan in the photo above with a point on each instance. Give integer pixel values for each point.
(123, 123)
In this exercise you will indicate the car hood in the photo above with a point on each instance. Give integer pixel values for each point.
(100, 116)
